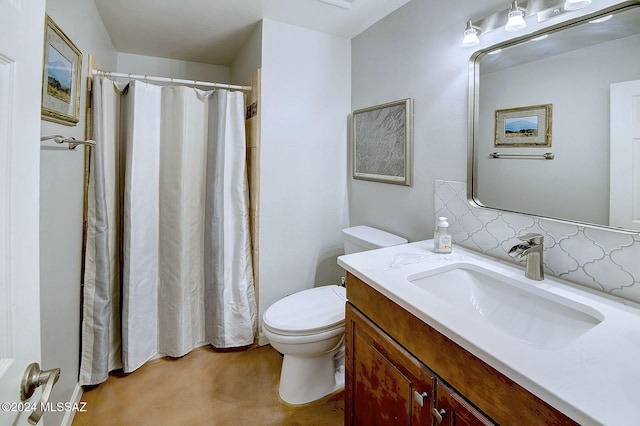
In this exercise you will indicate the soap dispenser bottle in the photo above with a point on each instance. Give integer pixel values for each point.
(442, 238)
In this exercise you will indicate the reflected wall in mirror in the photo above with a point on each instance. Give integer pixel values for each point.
(589, 72)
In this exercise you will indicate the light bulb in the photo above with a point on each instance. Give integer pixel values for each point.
(575, 4)
(470, 36)
(516, 21)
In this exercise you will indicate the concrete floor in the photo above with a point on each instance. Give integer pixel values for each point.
(205, 387)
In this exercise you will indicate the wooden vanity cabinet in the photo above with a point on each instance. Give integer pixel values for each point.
(386, 385)
(393, 359)
(454, 410)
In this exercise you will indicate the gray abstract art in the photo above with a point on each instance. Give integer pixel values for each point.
(380, 142)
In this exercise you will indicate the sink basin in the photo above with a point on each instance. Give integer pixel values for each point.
(529, 314)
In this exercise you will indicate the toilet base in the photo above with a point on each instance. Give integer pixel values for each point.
(303, 380)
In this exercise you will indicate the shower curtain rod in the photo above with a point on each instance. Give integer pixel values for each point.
(172, 80)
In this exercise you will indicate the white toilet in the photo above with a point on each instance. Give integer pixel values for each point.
(308, 328)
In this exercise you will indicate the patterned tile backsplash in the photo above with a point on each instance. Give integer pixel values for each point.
(602, 259)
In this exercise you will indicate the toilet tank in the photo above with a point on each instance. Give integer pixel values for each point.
(361, 238)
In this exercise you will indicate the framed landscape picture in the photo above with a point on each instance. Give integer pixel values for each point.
(524, 126)
(60, 77)
(383, 142)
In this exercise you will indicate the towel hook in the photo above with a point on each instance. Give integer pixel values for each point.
(73, 142)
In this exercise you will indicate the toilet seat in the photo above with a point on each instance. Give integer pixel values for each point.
(313, 311)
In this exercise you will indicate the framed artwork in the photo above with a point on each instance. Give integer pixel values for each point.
(525, 126)
(60, 77)
(382, 143)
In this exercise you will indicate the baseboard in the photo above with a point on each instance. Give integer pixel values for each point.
(67, 420)
(262, 340)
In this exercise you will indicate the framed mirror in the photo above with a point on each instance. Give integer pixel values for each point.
(551, 128)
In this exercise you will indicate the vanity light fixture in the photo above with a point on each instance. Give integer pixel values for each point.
(515, 16)
(471, 35)
(575, 4)
(515, 20)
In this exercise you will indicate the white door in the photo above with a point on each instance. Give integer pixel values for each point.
(21, 41)
(624, 204)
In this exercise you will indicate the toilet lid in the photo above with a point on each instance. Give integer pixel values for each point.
(308, 311)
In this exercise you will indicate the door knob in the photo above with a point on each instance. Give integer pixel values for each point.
(32, 379)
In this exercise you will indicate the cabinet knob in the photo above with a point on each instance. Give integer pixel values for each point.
(438, 414)
(419, 397)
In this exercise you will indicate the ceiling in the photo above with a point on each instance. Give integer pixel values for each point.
(213, 31)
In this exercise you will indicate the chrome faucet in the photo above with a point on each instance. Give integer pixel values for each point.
(531, 250)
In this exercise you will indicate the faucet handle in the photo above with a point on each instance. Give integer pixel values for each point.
(532, 238)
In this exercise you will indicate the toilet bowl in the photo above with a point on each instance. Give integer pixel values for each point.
(307, 328)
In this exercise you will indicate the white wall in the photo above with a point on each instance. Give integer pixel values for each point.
(579, 92)
(306, 101)
(163, 67)
(416, 52)
(249, 58)
(61, 192)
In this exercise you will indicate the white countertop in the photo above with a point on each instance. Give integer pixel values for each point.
(595, 379)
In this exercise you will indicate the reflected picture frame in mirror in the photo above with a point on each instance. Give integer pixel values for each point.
(523, 126)
(575, 186)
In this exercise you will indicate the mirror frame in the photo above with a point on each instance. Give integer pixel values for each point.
(474, 106)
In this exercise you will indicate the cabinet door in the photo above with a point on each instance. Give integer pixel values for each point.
(453, 410)
(385, 384)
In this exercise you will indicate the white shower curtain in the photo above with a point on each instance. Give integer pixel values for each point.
(168, 196)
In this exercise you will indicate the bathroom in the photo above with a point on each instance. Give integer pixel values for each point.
(311, 82)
